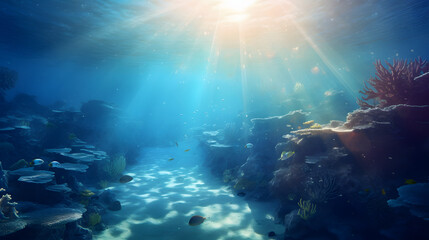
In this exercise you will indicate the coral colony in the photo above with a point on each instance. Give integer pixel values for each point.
(402, 82)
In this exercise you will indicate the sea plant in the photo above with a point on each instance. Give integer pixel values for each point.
(324, 189)
(115, 166)
(306, 209)
(402, 82)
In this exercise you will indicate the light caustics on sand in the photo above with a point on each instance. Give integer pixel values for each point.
(162, 210)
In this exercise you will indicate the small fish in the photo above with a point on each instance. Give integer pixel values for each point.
(308, 122)
(177, 145)
(196, 220)
(170, 159)
(187, 150)
(241, 194)
(125, 179)
(36, 162)
(249, 145)
(383, 191)
(271, 234)
(299, 127)
(410, 181)
(285, 155)
(54, 164)
(366, 189)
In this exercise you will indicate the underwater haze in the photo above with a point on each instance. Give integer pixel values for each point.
(214, 119)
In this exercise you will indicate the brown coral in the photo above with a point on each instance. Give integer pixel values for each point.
(402, 82)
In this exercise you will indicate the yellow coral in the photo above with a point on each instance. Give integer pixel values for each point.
(316, 126)
(87, 193)
(307, 209)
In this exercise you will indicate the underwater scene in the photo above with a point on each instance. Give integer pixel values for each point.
(214, 119)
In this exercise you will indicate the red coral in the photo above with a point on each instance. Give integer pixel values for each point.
(402, 83)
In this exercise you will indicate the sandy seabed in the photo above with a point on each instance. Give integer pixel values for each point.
(165, 194)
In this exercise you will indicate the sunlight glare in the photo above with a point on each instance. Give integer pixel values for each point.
(236, 5)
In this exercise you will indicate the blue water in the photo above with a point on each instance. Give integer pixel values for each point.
(173, 67)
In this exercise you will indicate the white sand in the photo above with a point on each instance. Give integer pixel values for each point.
(164, 195)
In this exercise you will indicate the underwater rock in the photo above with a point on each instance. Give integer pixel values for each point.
(9, 227)
(30, 175)
(114, 206)
(39, 177)
(220, 157)
(109, 200)
(80, 157)
(54, 216)
(73, 183)
(19, 164)
(61, 188)
(254, 176)
(294, 226)
(76, 232)
(415, 198)
(98, 154)
(97, 110)
(267, 132)
(407, 119)
(315, 158)
(58, 150)
(77, 167)
(28, 104)
(378, 139)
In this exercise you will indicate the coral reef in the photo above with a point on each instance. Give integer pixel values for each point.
(7, 208)
(402, 83)
(414, 197)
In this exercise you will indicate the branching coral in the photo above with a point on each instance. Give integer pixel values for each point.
(306, 209)
(399, 83)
